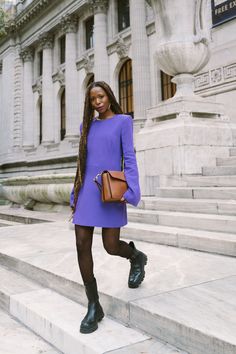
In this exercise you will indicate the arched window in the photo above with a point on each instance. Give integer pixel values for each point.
(63, 114)
(168, 88)
(126, 88)
(40, 121)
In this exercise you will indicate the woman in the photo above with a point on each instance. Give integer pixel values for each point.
(105, 141)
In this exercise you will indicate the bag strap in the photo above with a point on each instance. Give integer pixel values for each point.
(97, 183)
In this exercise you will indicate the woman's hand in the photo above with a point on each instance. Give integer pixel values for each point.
(123, 200)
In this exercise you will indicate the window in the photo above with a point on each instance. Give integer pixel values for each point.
(89, 24)
(126, 88)
(40, 56)
(168, 88)
(62, 49)
(123, 14)
(63, 114)
(40, 121)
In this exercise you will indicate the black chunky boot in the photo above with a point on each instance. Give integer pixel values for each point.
(138, 261)
(95, 312)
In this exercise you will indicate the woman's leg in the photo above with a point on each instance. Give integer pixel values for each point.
(84, 239)
(138, 259)
(113, 245)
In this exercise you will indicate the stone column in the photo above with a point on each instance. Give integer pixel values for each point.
(28, 106)
(18, 99)
(69, 25)
(140, 59)
(46, 40)
(101, 69)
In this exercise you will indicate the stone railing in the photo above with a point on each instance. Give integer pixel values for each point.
(46, 189)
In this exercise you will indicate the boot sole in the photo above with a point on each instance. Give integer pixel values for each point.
(91, 329)
(136, 285)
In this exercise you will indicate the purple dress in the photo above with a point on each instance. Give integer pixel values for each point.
(107, 141)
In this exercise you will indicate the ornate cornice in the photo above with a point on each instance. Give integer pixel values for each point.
(69, 23)
(27, 54)
(31, 11)
(37, 87)
(98, 6)
(215, 77)
(59, 76)
(46, 40)
(121, 48)
(85, 62)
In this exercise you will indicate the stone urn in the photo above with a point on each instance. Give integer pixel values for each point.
(182, 40)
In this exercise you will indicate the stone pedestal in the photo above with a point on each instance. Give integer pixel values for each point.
(180, 137)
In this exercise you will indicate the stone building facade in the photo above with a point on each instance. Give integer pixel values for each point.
(53, 49)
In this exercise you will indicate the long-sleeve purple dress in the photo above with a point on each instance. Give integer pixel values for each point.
(107, 141)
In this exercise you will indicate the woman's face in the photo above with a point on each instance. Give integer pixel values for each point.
(99, 100)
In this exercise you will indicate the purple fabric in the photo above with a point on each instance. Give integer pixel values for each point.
(107, 140)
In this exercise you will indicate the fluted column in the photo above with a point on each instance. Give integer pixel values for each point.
(18, 99)
(69, 25)
(46, 40)
(101, 68)
(28, 105)
(140, 59)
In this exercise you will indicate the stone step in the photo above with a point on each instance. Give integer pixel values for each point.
(209, 222)
(226, 161)
(4, 223)
(187, 318)
(219, 171)
(46, 253)
(56, 319)
(206, 241)
(228, 193)
(199, 181)
(15, 338)
(232, 152)
(206, 206)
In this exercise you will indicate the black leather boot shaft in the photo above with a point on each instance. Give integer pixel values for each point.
(138, 261)
(95, 312)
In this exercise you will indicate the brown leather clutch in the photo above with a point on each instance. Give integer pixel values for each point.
(113, 185)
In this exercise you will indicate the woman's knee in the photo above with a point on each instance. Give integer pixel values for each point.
(83, 237)
(112, 248)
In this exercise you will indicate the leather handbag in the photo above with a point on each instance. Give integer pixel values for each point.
(113, 185)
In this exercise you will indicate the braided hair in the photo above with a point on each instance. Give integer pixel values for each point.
(87, 120)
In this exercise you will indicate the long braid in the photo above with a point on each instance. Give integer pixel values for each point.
(87, 120)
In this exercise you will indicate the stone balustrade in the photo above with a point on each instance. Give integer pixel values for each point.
(46, 189)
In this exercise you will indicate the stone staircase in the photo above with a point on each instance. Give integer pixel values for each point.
(186, 303)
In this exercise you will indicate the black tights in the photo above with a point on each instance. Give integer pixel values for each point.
(111, 243)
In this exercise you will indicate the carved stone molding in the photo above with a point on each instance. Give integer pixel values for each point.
(59, 76)
(121, 48)
(69, 23)
(215, 77)
(0, 67)
(86, 63)
(27, 54)
(99, 6)
(46, 40)
(37, 87)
